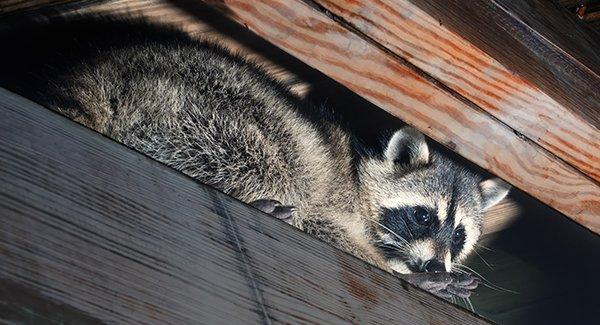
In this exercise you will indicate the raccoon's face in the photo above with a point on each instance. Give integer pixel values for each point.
(427, 211)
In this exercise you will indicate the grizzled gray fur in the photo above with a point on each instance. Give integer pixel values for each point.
(223, 121)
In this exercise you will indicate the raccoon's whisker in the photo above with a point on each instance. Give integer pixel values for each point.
(393, 244)
(499, 288)
(483, 259)
(468, 304)
(457, 270)
(471, 270)
(486, 282)
(471, 304)
(407, 227)
(397, 248)
(485, 247)
(392, 232)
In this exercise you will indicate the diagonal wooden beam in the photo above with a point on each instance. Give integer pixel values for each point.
(409, 32)
(448, 87)
(536, 39)
(93, 232)
(395, 85)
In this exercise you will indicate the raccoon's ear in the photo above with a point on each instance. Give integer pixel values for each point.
(407, 147)
(493, 191)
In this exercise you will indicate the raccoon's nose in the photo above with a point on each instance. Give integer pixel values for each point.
(433, 266)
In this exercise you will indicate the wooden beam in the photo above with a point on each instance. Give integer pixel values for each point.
(530, 37)
(396, 86)
(92, 231)
(409, 32)
(377, 72)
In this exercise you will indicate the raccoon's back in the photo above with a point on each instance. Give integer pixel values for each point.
(189, 104)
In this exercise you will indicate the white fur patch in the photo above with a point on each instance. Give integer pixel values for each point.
(448, 261)
(421, 250)
(399, 266)
(403, 199)
(442, 210)
(472, 232)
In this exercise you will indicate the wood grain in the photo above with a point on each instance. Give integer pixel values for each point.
(534, 38)
(398, 87)
(105, 234)
(414, 35)
(388, 82)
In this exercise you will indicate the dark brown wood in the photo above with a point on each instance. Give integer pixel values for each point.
(93, 231)
(588, 11)
(529, 37)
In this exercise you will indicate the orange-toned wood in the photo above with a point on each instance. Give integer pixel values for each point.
(387, 81)
(411, 33)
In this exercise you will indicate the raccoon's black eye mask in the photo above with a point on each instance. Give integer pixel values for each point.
(409, 222)
(458, 240)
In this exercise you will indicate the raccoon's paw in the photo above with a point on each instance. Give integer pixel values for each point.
(444, 284)
(276, 209)
(462, 286)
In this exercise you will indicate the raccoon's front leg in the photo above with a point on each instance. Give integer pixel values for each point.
(276, 209)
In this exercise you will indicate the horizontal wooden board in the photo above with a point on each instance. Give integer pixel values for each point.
(92, 231)
(393, 85)
(406, 30)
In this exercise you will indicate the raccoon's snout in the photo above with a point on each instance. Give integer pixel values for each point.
(429, 266)
(433, 266)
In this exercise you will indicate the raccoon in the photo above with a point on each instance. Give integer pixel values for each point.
(222, 120)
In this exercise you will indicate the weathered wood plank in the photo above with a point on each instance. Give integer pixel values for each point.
(99, 232)
(396, 87)
(411, 33)
(529, 37)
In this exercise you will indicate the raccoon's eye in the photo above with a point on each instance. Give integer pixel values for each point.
(421, 216)
(459, 236)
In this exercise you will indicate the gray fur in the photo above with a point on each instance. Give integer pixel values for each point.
(221, 120)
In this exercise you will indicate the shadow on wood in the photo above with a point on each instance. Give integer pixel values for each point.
(118, 237)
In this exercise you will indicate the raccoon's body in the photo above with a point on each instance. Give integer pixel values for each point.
(221, 120)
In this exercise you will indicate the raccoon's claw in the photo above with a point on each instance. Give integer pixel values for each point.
(276, 209)
(466, 281)
(444, 284)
